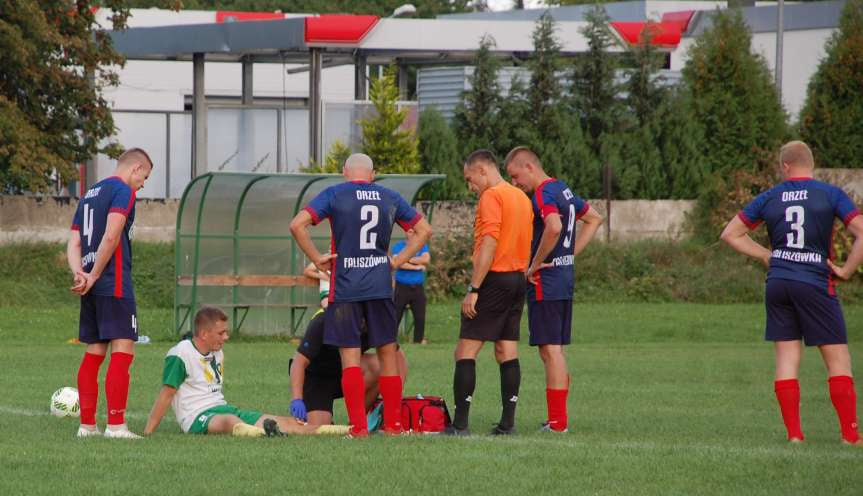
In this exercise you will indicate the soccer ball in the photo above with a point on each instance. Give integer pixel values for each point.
(64, 403)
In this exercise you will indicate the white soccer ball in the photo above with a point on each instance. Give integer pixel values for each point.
(64, 403)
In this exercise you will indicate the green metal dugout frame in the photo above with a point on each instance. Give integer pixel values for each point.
(233, 247)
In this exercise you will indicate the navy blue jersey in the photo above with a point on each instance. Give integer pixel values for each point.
(362, 216)
(554, 197)
(799, 215)
(107, 196)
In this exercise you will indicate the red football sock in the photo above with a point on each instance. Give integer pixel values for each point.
(88, 386)
(788, 396)
(556, 401)
(391, 391)
(845, 402)
(117, 386)
(354, 390)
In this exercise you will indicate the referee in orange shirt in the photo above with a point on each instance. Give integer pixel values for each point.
(491, 310)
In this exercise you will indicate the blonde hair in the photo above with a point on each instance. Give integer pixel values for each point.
(796, 153)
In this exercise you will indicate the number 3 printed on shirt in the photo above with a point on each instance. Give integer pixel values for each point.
(795, 215)
(368, 240)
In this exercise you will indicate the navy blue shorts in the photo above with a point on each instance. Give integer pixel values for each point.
(343, 323)
(798, 310)
(550, 322)
(104, 318)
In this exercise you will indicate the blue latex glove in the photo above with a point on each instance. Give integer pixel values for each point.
(298, 410)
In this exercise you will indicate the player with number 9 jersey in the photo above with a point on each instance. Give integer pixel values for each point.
(557, 281)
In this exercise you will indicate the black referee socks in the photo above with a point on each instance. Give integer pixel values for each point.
(510, 380)
(463, 384)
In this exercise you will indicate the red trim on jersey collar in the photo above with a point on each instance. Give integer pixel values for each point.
(800, 178)
(361, 181)
(544, 183)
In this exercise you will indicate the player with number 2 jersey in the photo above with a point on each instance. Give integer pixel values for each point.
(800, 296)
(362, 215)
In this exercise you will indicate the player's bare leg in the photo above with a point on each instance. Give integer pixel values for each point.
(231, 424)
(353, 388)
(838, 361)
(506, 354)
(391, 387)
(787, 387)
(320, 417)
(371, 368)
(557, 386)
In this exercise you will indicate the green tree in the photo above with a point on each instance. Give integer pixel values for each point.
(476, 120)
(393, 149)
(439, 154)
(594, 89)
(832, 118)
(732, 95)
(333, 162)
(52, 114)
(660, 155)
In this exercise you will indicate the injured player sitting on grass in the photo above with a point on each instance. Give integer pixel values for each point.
(192, 386)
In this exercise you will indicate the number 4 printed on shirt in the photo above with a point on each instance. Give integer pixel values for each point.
(88, 223)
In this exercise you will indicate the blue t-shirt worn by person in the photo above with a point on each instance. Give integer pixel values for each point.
(362, 216)
(411, 277)
(556, 282)
(799, 216)
(110, 195)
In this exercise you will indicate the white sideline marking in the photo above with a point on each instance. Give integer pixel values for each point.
(26, 412)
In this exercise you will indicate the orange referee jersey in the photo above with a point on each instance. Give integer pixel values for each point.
(506, 214)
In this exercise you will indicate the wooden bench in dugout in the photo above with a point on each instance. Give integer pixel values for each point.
(241, 310)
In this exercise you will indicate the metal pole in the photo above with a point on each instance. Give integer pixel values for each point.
(315, 105)
(780, 37)
(403, 82)
(91, 175)
(606, 187)
(360, 77)
(248, 73)
(199, 117)
(167, 155)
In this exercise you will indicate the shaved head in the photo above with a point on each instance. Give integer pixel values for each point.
(359, 161)
(134, 156)
(796, 154)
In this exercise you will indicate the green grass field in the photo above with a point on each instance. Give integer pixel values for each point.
(666, 399)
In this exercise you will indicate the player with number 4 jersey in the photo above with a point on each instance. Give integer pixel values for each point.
(362, 215)
(99, 253)
(551, 273)
(800, 295)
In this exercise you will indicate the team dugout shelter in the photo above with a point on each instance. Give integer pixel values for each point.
(234, 249)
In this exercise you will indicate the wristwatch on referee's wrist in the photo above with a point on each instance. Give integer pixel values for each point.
(471, 289)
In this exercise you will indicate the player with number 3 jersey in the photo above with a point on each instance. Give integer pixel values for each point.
(800, 294)
(362, 215)
(99, 253)
(551, 273)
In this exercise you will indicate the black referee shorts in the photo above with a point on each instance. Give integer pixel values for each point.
(319, 393)
(498, 308)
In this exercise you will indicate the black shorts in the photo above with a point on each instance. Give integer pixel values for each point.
(498, 308)
(105, 318)
(798, 310)
(549, 322)
(319, 393)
